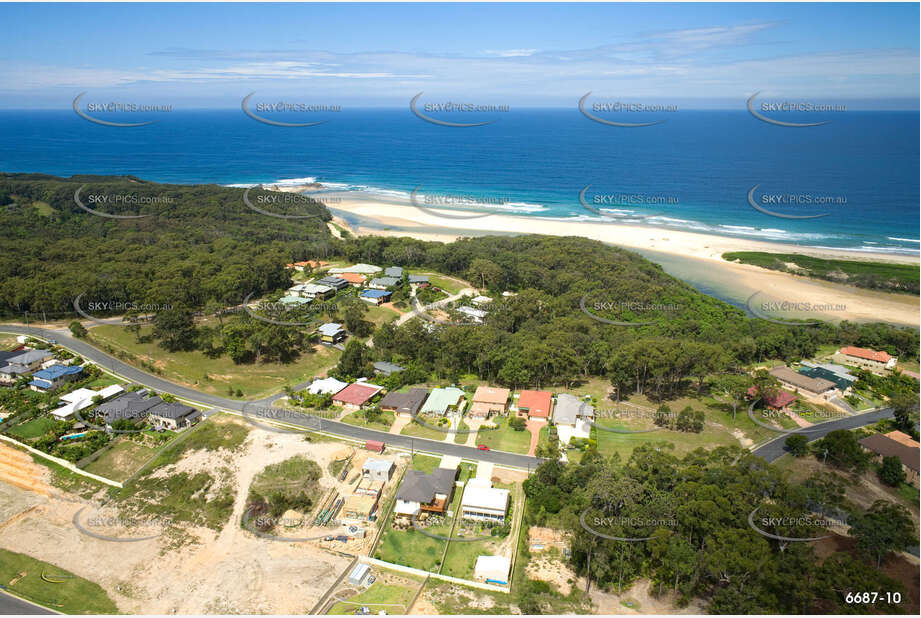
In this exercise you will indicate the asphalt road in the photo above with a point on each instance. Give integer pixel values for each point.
(775, 448)
(11, 606)
(259, 408)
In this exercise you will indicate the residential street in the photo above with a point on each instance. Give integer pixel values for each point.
(64, 338)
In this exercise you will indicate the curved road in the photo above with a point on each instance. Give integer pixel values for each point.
(259, 407)
(775, 448)
(12, 605)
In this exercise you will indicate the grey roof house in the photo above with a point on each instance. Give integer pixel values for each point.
(418, 279)
(404, 403)
(570, 408)
(387, 368)
(130, 405)
(382, 283)
(394, 271)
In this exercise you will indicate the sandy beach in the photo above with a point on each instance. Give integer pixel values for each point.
(693, 257)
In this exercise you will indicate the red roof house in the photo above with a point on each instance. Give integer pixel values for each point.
(778, 401)
(866, 353)
(535, 404)
(356, 395)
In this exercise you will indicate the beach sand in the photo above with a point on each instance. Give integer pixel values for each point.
(690, 256)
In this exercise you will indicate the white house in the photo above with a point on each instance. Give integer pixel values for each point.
(492, 569)
(482, 502)
(326, 386)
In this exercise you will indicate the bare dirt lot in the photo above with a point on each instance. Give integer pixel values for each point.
(231, 571)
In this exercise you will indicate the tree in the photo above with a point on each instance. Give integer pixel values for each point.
(354, 359)
(891, 472)
(731, 388)
(488, 273)
(904, 406)
(797, 444)
(517, 423)
(175, 329)
(78, 330)
(883, 528)
(354, 318)
(843, 450)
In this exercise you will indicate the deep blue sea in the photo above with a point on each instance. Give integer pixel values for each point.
(693, 172)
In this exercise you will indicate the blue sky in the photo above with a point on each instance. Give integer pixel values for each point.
(701, 55)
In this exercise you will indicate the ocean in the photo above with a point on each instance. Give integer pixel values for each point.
(718, 172)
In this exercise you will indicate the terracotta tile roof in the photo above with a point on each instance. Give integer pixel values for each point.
(903, 438)
(538, 403)
(490, 394)
(356, 394)
(779, 400)
(866, 353)
(352, 277)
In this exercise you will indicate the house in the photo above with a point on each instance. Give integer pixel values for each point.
(173, 415)
(404, 404)
(23, 364)
(441, 400)
(885, 446)
(359, 507)
(383, 283)
(394, 271)
(312, 291)
(376, 297)
(813, 387)
(569, 409)
(492, 570)
(425, 492)
(359, 574)
(479, 301)
(387, 368)
(535, 405)
(489, 400)
(298, 266)
(337, 283)
(361, 269)
(418, 279)
(331, 333)
(903, 438)
(476, 315)
(131, 405)
(326, 386)
(54, 377)
(377, 469)
(314, 264)
(841, 376)
(355, 279)
(82, 398)
(872, 360)
(573, 418)
(294, 301)
(353, 396)
(482, 502)
(779, 401)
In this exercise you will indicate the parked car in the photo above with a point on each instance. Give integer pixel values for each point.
(483, 447)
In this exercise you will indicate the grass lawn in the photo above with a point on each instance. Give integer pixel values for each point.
(212, 375)
(65, 593)
(425, 463)
(410, 548)
(461, 438)
(685, 442)
(383, 422)
(421, 431)
(8, 342)
(121, 460)
(102, 381)
(32, 429)
(445, 283)
(380, 315)
(504, 438)
(391, 592)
